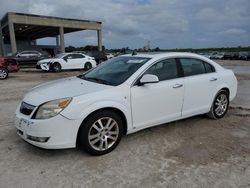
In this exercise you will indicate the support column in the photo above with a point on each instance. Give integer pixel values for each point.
(57, 40)
(1, 42)
(61, 30)
(12, 38)
(99, 37)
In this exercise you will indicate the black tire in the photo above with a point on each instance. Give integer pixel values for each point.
(88, 129)
(101, 61)
(4, 73)
(87, 66)
(215, 112)
(57, 67)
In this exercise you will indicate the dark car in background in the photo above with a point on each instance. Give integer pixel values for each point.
(99, 56)
(228, 55)
(231, 55)
(31, 57)
(244, 55)
(7, 65)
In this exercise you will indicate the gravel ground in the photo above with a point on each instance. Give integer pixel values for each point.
(195, 152)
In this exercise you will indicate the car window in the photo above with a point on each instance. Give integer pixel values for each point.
(165, 70)
(76, 56)
(209, 68)
(24, 53)
(195, 66)
(69, 56)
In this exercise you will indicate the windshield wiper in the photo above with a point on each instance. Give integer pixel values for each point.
(98, 80)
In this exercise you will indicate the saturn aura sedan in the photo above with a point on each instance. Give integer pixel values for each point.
(66, 61)
(121, 96)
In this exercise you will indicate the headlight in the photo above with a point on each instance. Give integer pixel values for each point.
(52, 108)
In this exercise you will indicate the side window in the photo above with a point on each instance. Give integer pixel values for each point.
(192, 66)
(77, 56)
(209, 68)
(69, 56)
(25, 53)
(165, 70)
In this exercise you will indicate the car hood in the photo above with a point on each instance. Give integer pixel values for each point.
(67, 87)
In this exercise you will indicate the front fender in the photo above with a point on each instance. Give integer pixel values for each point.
(82, 113)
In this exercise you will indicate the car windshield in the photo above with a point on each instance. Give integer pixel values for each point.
(59, 55)
(115, 71)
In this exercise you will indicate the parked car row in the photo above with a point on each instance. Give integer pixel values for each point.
(227, 55)
(32, 56)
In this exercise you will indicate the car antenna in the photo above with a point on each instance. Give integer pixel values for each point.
(134, 53)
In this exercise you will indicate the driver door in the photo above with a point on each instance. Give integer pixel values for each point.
(71, 62)
(160, 102)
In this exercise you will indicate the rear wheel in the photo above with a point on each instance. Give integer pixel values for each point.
(220, 105)
(101, 132)
(87, 66)
(57, 67)
(3, 73)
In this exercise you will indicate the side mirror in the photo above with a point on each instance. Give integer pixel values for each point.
(65, 59)
(147, 79)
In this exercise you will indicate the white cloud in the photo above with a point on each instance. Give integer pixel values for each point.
(166, 23)
(40, 8)
(233, 31)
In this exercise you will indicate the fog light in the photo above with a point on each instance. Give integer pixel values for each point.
(19, 132)
(38, 139)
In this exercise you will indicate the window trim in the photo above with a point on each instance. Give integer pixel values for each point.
(201, 60)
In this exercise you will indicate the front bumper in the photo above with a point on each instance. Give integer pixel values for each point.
(38, 66)
(56, 133)
(45, 66)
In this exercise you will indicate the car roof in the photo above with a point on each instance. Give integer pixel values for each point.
(68, 53)
(166, 54)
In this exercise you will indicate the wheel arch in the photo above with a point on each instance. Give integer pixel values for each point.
(2, 67)
(224, 87)
(114, 109)
(55, 62)
(227, 90)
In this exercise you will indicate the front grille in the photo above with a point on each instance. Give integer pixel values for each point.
(26, 108)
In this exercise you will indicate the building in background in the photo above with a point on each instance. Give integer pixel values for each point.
(20, 31)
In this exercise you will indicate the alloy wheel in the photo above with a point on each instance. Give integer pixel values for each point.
(103, 133)
(3, 74)
(221, 104)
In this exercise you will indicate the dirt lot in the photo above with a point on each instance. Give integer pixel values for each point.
(195, 152)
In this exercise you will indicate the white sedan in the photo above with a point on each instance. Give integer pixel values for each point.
(66, 61)
(121, 96)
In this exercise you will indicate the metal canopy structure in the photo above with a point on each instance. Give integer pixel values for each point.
(19, 26)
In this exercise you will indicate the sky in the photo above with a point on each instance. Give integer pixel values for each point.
(166, 24)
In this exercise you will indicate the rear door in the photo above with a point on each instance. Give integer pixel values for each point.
(79, 61)
(200, 81)
(161, 102)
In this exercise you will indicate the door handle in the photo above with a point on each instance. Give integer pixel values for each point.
(177, 85)
(213, 79)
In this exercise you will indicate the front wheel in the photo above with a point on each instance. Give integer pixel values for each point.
(3, 73)
(101, 132)
(87, 66)
(57, 67)
(220, 105)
